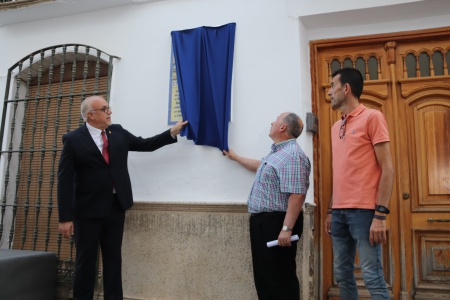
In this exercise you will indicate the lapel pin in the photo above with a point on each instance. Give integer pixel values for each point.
(109, 132)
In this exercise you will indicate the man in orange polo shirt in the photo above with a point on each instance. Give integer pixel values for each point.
(363, 176)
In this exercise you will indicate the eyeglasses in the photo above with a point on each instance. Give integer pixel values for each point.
(342, 129)
(104, 109)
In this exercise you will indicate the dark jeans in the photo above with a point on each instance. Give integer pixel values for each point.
(274, 269)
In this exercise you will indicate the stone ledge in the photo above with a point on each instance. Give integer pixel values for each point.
(190, 207)
(202, 207)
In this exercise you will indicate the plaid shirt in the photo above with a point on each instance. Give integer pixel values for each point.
(283, 172)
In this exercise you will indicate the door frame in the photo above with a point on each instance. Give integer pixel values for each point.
(324, 280)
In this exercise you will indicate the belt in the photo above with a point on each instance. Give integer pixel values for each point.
(270, 213)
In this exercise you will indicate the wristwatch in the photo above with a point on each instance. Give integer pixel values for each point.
(382, 209)
(285, 228)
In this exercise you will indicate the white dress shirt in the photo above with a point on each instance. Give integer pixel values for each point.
(96, 136)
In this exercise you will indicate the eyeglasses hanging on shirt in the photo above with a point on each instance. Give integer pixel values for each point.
(342, 129)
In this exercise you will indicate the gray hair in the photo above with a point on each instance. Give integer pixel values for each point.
(294, 125)
(86, 106)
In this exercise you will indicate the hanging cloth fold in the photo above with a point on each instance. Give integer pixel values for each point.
(204, 65)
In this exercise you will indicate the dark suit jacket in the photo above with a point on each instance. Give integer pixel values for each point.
(86, 181)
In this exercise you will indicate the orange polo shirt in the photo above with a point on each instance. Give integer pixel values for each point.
(356, 172)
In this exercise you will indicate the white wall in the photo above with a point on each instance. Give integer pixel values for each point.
(271, 75)
(265, 84)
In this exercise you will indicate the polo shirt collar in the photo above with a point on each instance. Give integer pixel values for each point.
(357, 111)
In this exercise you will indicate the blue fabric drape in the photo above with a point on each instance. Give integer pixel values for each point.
(204, 64)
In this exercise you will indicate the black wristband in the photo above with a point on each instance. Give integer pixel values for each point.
(379, 217)
(382, 209)
(330, 211)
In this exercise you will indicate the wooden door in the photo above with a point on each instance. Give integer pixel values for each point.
(407, 78)
(424, 108)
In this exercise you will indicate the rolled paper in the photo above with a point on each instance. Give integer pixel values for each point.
(275, 242)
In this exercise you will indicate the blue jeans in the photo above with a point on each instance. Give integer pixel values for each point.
(350, 229)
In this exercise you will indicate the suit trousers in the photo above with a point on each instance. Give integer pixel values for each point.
(274, 269)
(89, 235)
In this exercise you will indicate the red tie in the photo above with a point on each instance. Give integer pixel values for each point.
(105, 151)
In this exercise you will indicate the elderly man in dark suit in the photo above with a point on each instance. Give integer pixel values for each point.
(94, 190)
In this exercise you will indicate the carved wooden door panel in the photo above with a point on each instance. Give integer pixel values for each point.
(409, 82)
(424, 107)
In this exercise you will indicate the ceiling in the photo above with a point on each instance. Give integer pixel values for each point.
(33, 10)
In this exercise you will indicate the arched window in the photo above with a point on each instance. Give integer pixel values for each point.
(46, 88)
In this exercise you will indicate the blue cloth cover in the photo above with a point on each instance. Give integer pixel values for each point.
(204, 64)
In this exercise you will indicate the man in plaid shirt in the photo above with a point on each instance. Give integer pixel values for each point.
(275, 206)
